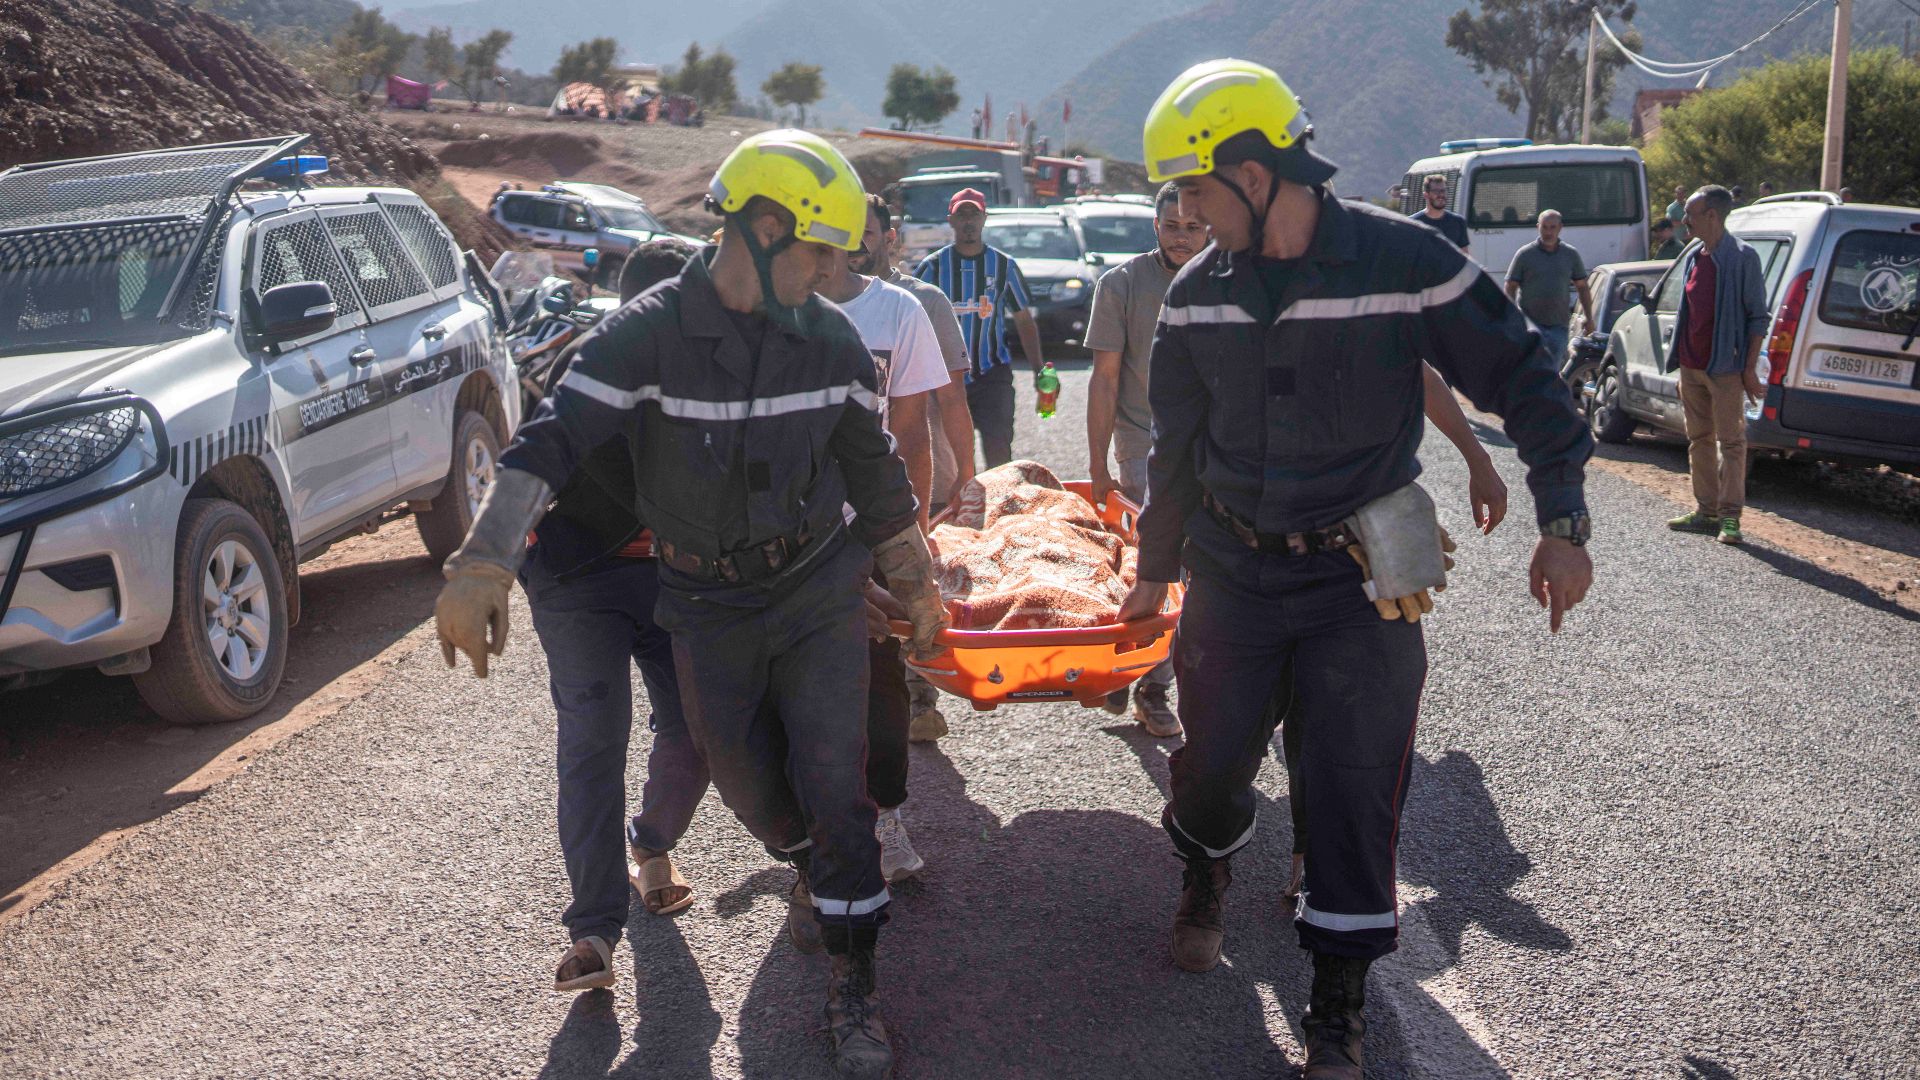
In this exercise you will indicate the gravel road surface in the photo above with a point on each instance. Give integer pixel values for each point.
(1678, 839)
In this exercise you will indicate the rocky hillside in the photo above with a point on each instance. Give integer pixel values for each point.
(86, 77)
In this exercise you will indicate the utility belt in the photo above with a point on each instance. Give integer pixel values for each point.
(1332, 538)
(749, 564)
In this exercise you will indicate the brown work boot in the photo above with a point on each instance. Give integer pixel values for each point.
(803, 929)
(1333, 1023)
(1196, 926)
(860, 1047)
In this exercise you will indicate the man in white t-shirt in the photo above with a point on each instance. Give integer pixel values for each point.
(906, 357)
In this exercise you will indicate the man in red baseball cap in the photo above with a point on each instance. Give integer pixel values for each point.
(985, 286)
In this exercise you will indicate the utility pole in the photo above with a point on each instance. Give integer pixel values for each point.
(1586, 111)
(1835, 148)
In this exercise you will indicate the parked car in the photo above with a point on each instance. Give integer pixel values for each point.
(1615, 288)
(202, 387)
(567, 218)
(1839, 362)
(1062, 250)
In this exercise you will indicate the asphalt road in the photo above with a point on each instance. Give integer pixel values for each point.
(1678, 839)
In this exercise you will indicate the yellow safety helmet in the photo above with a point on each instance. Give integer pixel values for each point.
(1212, 102)
(803, 173)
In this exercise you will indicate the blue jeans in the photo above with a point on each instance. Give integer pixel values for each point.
(593, 627)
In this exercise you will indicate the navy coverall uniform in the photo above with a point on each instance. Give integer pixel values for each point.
(747, 437)
(1286, 395)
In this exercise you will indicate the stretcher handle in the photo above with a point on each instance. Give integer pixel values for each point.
(1111, 634)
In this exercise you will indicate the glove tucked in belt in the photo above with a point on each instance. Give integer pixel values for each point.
(1402, 550)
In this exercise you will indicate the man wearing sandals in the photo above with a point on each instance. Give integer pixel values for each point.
(591, 581)
(1286, 393)
(748, 407)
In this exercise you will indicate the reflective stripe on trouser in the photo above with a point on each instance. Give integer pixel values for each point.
(1357, 681)
(594, 628)
(1133, 484)
(795, 773)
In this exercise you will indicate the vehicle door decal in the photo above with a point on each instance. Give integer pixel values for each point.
(325, 409)
(188, 461)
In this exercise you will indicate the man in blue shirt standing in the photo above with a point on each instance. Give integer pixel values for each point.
(985, 286)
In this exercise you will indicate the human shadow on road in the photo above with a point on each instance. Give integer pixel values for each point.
(1821, 578)
(677, 1025)
(84, 758)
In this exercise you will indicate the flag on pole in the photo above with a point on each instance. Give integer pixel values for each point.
(1066, 111)
(987, 114)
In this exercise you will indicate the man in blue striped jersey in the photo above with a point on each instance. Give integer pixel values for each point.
(985, 286)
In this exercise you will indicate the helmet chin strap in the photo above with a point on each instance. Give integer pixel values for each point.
(763, 265)
(1259, 215)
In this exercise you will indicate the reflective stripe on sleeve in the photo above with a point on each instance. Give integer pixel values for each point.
(695, 409)
(1203, 314)
(1408, 303)
(852, 907)
(1327, 920)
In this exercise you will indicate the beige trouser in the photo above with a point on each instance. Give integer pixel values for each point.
(1716, 408)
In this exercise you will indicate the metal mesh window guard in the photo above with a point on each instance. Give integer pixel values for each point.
(427, 241)
(169, 182)
(299, 251)
(376, 257)
(103, 284)
(53, 454)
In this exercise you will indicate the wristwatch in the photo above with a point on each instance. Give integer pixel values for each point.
(1575, 528)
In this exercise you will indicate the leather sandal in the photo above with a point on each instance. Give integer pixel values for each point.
(592, 980)
(654, 878)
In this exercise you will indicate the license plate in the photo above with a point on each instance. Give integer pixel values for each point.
(1872, 369)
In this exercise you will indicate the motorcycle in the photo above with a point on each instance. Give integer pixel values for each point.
(544, 316)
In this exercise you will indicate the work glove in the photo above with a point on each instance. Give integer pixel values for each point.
(906, 564)
(1415, 605)
(473, 602)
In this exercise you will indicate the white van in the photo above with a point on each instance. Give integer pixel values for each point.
(1501, 185)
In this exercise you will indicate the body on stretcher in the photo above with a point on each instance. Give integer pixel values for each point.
(1084, 664)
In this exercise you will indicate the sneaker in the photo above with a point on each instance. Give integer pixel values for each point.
(927, 725)
(1730, 531)
(1695, 522)
(1116, 702)
(898, 860)
(1151, 709)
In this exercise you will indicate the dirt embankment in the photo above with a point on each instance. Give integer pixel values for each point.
(85, 77)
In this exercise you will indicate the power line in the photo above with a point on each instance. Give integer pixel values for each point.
(1691, 68)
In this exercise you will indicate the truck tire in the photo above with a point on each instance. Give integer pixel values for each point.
(476, 453)
(1607, 420)
(225, 648)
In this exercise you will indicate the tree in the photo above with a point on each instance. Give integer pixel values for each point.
(589, 62)
(480, 62)
(1770, 123)
(706, 79)
(442, 59)
(795, 84)
(1534, 54)
(371, 47)
(919, 96)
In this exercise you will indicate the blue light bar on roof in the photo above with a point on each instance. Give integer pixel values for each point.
(289, 168)
(1456, 146)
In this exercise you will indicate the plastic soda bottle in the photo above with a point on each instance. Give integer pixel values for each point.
(1048, 386)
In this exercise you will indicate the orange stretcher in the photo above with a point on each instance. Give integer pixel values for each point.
(1084, 664)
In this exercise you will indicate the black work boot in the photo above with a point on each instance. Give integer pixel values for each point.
(1333, 1023)
(1196, 926)
(803, 928)
(860, 1047)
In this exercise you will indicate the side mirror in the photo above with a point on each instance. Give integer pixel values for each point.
(1632, 292)
(559, 299)
(1094, 258)
(295, 310)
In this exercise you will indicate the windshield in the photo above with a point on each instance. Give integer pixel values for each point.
(624, 216)
(1615, 305)
(1512, 196)
(1873, 282)
(90, 286)
(928, 202)
(1033, 239)
(1113, 233)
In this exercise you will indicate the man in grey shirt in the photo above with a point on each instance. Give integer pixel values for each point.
(1126, 308)
(946, 411)
(1541, 276)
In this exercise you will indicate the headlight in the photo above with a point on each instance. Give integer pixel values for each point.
(63, 451)
(1073, 284)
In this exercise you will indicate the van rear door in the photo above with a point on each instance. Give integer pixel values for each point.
(1859, 370)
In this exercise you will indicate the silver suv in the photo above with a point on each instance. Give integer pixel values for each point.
(202, 387)
(567, 218)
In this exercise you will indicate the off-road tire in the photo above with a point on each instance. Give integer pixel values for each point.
(444, 528)
(188, 683)
(1605, 418)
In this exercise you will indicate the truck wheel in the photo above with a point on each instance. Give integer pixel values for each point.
(476, 453)
(226, 646)
(1608, 421)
